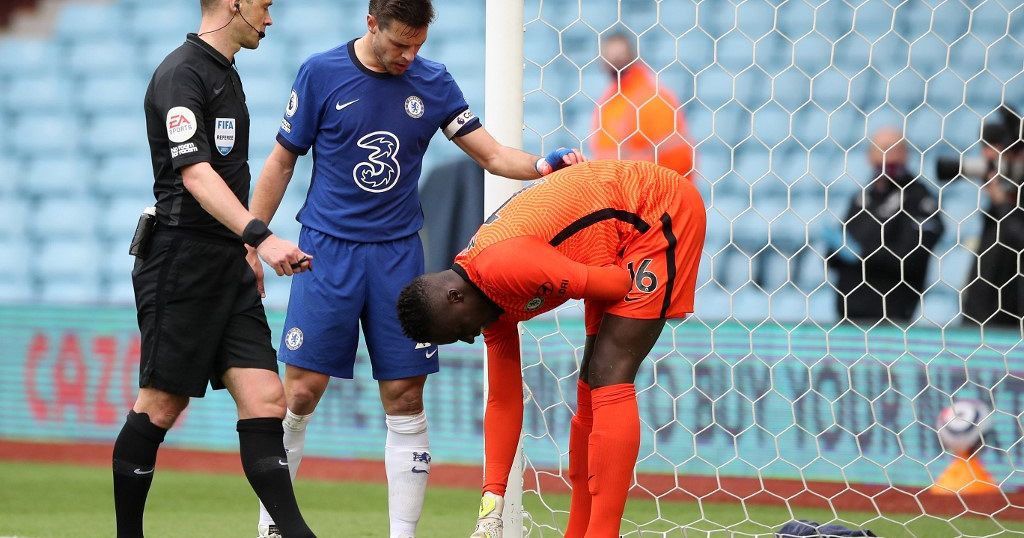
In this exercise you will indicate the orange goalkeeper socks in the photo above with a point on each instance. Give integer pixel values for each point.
(614, 445)
(579, 440)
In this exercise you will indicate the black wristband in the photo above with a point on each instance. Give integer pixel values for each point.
(255, 232)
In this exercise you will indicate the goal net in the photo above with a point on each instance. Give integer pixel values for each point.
(769, 403)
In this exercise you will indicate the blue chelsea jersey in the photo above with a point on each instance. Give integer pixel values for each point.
(368, 132)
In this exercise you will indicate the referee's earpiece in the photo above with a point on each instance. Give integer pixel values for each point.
(238, 10)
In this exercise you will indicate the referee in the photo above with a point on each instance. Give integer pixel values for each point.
(199, 309)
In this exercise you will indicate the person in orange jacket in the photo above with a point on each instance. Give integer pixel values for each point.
(636, 119)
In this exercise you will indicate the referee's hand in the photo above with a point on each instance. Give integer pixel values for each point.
(283, 256)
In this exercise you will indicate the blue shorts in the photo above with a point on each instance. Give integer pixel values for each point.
(350, 283)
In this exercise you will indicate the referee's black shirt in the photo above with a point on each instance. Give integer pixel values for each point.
(196, 112)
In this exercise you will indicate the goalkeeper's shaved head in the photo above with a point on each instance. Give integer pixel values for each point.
(412, 13)
(443, 308)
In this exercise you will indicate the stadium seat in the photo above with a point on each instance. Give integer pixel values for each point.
(56, 177)
(116, 272)
(119, 217)
(158, 21)
(294, 18)
(46, 93)
(273, 59)
(791, 89)
(10, 172)
(53, 135)
(263, 127)
(812, 53)
(107, 94)
(830, 89)
(16, 286)
(14, 217)
(771, 125)
(734, 52)
(154, 50)
(79, 22)
(906, 90)
(129, 175)
(267, 94)
(751, 304)
(114, 135)
(277, 289)
(64, 219)
(28, 57)
(69, 271)
(109, 56)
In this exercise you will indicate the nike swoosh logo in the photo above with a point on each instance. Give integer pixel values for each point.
(140, 471)
(340, 106)
(282, 462)
(417, 470)
(216, 91)
(631, 299)
(431, 353)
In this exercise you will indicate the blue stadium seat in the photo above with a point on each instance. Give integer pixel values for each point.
(129, 175)
(79, 22)
(829, 89)
(112, 94)
(294, 18)
(117, 135)
(53, 135)
(14, 217)
(109, 56)
(10, 172)
(263, 127)
(64, 177)
(155, 50)
(284, 223)
(64, 219)
(985, 91)
(948, 19)
(116, 273)
(812, 53)
(771, 125)
(274, 59)
(967, 57)
(732, 125)
(939, 308)
(119, 217)
(789, 305)
(715, 304)
(945, 91)
(16, 286)
(714, 87)
(48, 93)
(924, 128)
(266, 93)
(28, 57)
(734, 52)
(751, 304)
(69, 271)
(852, 54)
(927, 54)
(846, 126)
(810, 127)
(811, 273)
(695, 49)
(906, 90)
(158, 21)
(277, 289)
(791, 89)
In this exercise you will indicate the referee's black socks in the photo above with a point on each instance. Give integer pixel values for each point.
(134, 460)
(261, 445)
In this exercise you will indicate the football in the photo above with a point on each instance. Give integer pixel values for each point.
(961, 425)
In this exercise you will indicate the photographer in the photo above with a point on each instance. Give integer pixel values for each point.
(889, 230)
(994, 294)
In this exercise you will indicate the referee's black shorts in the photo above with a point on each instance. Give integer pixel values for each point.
(199, 313)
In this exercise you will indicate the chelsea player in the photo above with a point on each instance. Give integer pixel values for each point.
(368, 109)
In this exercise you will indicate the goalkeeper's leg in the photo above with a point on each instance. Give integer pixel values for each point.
(579, 441)
(621, 345)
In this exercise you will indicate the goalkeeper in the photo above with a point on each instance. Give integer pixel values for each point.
(626, 238)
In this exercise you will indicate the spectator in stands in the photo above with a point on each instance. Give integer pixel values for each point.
(994, 295)
(890, 229)
(637, 119)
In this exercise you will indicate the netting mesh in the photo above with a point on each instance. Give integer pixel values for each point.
(772, 393)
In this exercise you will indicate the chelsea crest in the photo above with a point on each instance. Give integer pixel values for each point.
(414, 106)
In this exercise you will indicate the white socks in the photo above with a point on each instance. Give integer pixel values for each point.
(294, 441)
(407, 462)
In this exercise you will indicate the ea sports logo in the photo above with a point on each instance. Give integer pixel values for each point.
(181, 124)
(293, 340)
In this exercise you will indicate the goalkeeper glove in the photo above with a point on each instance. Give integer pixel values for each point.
(557, 160)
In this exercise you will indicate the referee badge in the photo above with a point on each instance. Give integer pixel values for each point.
(224, 135)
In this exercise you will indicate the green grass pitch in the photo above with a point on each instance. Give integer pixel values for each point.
(56, 501)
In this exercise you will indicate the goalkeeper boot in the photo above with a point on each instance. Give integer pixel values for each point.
(269, 531)
(488, 525)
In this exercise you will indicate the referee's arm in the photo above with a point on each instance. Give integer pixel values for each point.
(209, 189)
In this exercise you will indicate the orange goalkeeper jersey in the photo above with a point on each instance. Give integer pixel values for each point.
(548, 243)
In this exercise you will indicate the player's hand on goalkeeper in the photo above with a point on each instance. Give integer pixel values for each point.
(283, 256)
(559, 159)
